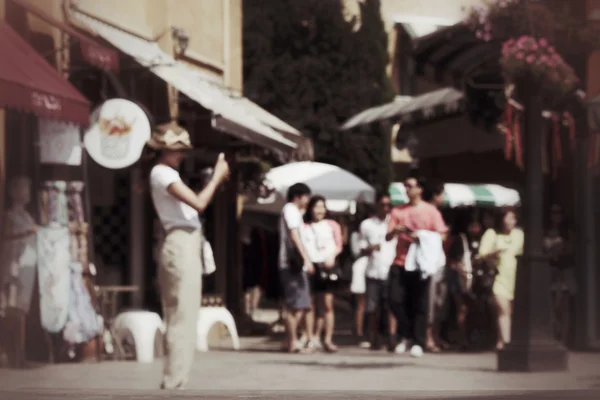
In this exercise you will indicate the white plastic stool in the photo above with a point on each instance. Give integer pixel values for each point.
(146, 328)
(207, 317)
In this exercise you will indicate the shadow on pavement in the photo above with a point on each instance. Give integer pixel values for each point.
(374, 365)
(342, 365)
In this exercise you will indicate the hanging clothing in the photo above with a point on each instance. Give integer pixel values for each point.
(82, 323)
(19, 259)
(426, 255)
(54, 204)
(54, 276)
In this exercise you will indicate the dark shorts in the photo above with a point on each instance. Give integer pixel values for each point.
(296, 290)
(376, 295)
(453, 280)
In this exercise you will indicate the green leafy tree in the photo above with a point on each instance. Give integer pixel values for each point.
(307, 64)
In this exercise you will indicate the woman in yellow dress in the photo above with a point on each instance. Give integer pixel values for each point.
(500, 247)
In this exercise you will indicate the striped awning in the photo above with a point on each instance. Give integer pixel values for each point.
(464, 195)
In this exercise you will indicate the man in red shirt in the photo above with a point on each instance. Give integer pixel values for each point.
(409, 290)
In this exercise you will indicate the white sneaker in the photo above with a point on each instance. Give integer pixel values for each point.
(416, 351)
(302, 342)
(400, 348)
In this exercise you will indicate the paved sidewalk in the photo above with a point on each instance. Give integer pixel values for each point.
(258, 371)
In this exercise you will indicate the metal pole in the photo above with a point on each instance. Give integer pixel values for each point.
(533, 347)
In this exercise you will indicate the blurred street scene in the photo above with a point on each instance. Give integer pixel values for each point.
(288, 198)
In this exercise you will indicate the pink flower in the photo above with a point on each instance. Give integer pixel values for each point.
(543, 43)
(479, 34)
(530, 59)
(487, 37)
(520, 55)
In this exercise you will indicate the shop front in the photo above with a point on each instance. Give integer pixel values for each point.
(45, 258)
(219, 119)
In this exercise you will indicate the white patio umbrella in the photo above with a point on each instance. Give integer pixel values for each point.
(341, 188)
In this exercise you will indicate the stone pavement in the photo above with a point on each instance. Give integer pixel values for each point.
(260, 372)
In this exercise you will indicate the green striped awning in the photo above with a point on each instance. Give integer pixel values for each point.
(462, 195)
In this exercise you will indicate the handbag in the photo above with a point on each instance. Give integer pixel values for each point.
(208, 259)
(324, 274)
(484, 275)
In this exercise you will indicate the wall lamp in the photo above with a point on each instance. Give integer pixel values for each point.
(181, 40)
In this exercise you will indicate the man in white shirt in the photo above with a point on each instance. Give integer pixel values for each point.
(381, 255)
(295, 266)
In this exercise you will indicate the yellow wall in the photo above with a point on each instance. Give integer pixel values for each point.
(213, 26)
(146, 18)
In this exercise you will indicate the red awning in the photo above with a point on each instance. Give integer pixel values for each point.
(29, 83)
(95, 54)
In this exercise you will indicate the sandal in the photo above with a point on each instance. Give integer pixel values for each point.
(294, 349)
(330, 348)
(432, 348)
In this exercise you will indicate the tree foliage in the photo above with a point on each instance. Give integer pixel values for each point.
(310, 66)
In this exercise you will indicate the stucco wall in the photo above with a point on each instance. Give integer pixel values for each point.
(146, 18)
(214, 28)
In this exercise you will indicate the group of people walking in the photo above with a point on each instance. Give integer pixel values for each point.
(403, 256)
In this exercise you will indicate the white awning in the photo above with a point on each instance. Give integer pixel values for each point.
(229, 113)
(427, 106)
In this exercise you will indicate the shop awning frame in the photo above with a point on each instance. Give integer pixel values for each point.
(30, 84)
(593, 107)
(443, 102)
(417, 26)
(92, 52)
(452, 55)
(229, 113)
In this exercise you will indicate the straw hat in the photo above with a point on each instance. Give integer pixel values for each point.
(169, 137)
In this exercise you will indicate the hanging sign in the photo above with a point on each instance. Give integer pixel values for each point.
(118, 132)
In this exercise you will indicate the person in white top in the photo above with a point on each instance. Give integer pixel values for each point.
(294, 267)
(380, 253)
(322, 239)
(180, 266)
(358, 285)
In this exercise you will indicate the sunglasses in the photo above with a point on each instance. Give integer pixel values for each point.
(385, 204)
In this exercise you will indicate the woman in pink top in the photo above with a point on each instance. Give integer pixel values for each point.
(322, 239)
